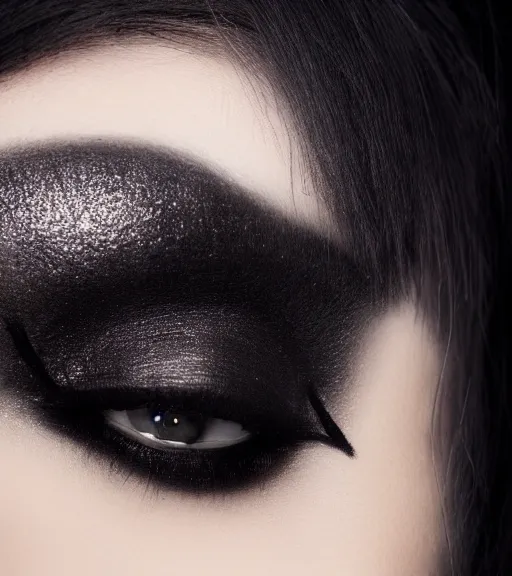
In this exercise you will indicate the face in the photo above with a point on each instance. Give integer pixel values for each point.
(193, 377)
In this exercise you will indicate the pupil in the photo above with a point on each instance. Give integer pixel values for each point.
(187, 428)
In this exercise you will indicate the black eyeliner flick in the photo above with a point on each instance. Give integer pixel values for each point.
(339, 440)
(29, 355)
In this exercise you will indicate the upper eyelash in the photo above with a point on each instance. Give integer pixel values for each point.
(83, 420)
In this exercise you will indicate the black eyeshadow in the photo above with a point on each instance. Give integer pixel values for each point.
(132, 268)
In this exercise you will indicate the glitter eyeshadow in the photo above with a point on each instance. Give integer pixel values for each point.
(134, 268)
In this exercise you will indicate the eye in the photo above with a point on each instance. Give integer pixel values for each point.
(167, 429)
(173, 438)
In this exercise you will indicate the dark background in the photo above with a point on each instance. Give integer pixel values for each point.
(489, 26)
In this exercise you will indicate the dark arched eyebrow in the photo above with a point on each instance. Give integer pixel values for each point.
(79, 214)
(82, 181)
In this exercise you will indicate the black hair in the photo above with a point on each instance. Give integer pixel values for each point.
(402, 130)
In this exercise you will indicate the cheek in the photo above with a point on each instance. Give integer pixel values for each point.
(376, 514)
(395, 499)
(381, 512)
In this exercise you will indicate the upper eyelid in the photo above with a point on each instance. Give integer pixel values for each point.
(298, 430)
(229, 402)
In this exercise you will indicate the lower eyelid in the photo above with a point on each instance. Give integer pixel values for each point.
(228, 470)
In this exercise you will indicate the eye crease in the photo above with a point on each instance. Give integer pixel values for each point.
(167, 320)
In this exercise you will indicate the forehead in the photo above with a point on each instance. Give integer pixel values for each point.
(202, 105)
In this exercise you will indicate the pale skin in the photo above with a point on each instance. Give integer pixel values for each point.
(377, 514)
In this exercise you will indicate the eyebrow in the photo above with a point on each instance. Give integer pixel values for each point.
(129, 162)
(134, 202)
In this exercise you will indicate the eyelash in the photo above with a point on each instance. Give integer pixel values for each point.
(80, 415)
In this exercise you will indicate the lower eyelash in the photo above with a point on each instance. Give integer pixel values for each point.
(233, 469)
(225, 470)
